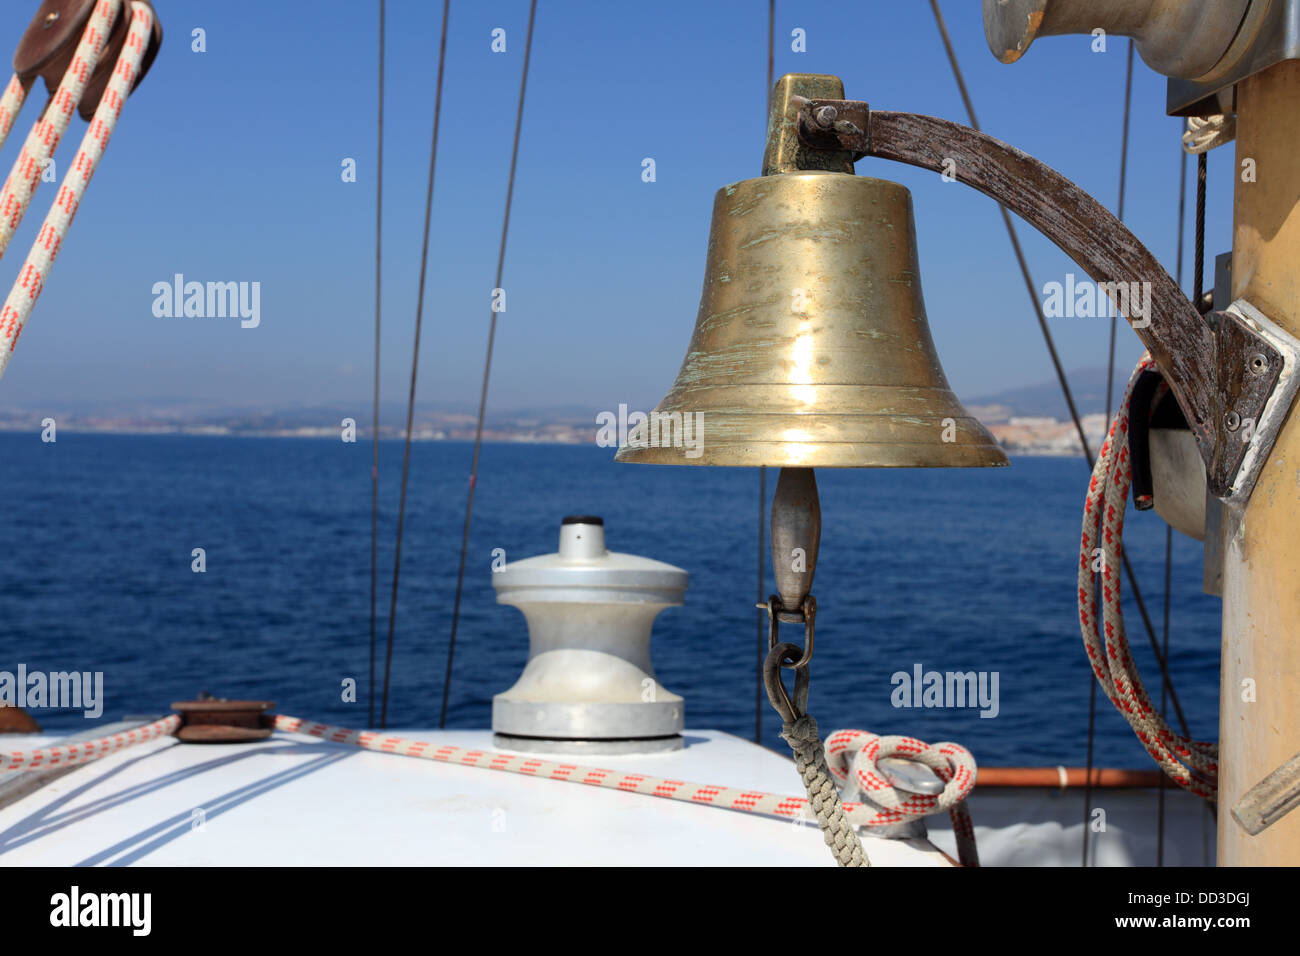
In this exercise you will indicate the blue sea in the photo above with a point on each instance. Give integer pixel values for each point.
(954, 570)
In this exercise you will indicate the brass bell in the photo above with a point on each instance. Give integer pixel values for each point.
(811, 348)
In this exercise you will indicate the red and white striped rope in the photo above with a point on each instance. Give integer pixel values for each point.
(1192, 764)
(854, 751)
(852, 756)
(11, 103)
(31, 279)
(63, 755)
(954, 764)
(46, 132)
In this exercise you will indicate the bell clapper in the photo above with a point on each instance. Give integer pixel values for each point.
(796, 530)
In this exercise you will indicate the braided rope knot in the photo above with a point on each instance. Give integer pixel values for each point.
(852, 757)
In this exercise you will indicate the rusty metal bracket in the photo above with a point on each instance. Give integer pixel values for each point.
(833, 124)
(214, 720)
(51, 39)
(1225, 369)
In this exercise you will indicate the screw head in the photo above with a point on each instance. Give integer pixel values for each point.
(825, 116)
(50, 19)
(1232, 421)
(1258, 363)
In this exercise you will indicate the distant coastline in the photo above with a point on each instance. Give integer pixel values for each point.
(1030, 420)
(1036, 437)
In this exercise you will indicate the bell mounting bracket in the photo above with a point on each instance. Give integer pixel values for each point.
(1232, 372)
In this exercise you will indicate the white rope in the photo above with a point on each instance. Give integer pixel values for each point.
(48, 130)
(11, 102)
(63, 755)
(848, 752)
(952, 762)
(31, 279)
(1204, 133)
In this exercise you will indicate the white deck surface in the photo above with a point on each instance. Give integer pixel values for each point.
(298, 800)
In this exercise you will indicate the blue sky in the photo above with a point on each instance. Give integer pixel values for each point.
(226, 166)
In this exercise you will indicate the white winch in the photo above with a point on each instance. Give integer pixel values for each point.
(589, 686)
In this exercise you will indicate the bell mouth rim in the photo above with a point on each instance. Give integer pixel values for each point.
(821, 455)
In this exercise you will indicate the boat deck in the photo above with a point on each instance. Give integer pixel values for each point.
(299, 800)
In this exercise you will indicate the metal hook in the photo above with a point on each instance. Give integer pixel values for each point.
(786, 654)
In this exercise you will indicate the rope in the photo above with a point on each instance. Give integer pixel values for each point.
(11, 102)
(850, 755)
(961, 765)
(48, 130)
(1192, 764)
(853, 755)
(1204, 133)
(374, 435)
(823, 797)
(50, 758)
(415, 363)
(487, 368)
(31, 278)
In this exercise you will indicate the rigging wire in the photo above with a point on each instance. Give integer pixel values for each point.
(762, 469)
(487, 368)
(1056, 364)
(1110, 386)
(1198, 261)
(1169, 531)
(415, 361)
(1060, 372)
(374, 454)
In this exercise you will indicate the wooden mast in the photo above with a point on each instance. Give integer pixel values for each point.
(1261, 568)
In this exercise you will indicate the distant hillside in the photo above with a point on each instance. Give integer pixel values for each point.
(1087, 385)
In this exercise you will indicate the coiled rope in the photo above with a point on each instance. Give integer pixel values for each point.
(39, 147)
(1192, 764)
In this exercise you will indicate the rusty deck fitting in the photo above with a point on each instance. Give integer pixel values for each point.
(15, 720)
(51, 39)
(212, 720)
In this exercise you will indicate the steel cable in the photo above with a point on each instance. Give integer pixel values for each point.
(1110, 387)
(487, 369)
(374, 438)
(415, 362)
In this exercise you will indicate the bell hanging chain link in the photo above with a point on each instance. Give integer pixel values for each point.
(799, 730)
